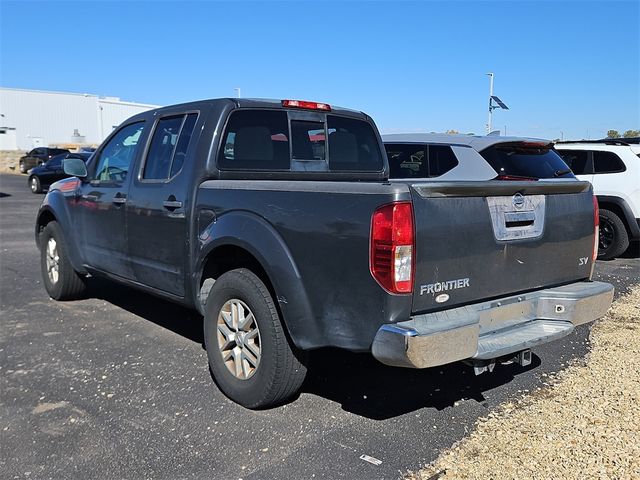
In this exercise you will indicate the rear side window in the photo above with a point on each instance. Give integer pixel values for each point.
(577, 160)
(607, 162)
(526, 160)
(407, 161)
(441, 160)
(168, 147)
(353, 145)
(256, 140)
(419, 161)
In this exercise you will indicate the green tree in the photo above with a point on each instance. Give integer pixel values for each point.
(631, 133)
(613, 134)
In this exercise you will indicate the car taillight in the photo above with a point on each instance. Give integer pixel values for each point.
(515, 178)
(392, 247)
(596, 230)
(307, 105)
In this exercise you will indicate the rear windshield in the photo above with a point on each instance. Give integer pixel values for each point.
(526, 160)
(57, 151)
(266, 140)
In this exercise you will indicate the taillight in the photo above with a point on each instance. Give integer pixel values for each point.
(392, 247)
(307, 105)
(596, 227)
(516, 178)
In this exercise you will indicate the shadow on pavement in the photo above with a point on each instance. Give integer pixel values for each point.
(365, 387)
(180, 320)
(358, 382)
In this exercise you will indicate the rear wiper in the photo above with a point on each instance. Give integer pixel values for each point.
(559, 173)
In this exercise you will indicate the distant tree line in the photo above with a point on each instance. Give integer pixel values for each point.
(627, 134)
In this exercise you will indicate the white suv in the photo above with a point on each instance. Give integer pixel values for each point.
(613, 167)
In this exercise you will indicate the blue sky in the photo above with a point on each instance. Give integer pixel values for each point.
(570, 67)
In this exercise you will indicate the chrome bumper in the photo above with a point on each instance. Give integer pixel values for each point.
(491, 329)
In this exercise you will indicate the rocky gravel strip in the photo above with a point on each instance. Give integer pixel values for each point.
(584, 423)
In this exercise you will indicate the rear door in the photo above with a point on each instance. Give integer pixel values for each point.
(481, 240)
(157, 205)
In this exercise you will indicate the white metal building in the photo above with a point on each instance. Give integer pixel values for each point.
(31, 118)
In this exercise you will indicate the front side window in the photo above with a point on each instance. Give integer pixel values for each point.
(118, 154)
(607, 162)
(577, 160)
(256, 140)
(353, 145)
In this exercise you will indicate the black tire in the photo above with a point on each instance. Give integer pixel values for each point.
(67, 285)
(280, 371)
(614, 239)
(22, 167)
(34, 184)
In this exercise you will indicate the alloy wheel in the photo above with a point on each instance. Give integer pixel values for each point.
(239, 339)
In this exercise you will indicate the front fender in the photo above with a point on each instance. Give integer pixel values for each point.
(255, 235)
(55, 206)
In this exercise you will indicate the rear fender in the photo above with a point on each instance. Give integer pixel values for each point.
(255, 235)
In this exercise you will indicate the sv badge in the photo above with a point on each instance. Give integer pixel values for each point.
(583, 261)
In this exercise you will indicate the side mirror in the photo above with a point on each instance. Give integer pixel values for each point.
(74, 167)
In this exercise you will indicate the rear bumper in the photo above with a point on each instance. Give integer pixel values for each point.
(491, 329)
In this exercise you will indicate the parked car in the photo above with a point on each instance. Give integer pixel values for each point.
(277, 222)
(42, 176)
(472, 157)
(38, 156)
(613, 167)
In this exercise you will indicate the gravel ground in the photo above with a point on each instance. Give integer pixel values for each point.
(585, 423)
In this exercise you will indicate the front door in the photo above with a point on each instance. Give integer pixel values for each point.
(102, 202)
(157, 204)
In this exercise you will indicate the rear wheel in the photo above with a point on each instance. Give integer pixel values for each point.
(614, 239)
(34, 184)
(250, 356)
(61, 281)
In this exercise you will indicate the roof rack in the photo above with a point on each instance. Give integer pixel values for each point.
(606, 141)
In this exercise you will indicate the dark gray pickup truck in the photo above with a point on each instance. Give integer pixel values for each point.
(277, 222)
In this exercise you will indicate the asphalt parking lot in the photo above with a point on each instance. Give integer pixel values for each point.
(117, 386)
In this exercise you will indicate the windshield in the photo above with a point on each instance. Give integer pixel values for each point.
(527, 160)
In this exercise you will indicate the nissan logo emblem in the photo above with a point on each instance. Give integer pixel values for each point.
(518, 200)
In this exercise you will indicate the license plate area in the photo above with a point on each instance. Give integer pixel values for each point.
(517, 217)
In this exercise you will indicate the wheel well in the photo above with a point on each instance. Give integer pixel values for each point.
(43, 220)
(230, 257)
(612, 207)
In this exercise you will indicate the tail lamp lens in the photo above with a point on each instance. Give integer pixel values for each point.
(392, 247)
(596, 227)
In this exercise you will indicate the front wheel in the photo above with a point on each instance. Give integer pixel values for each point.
(250, 356)
(34, 184)
(61, 281)
(614, 239)
(22, 167)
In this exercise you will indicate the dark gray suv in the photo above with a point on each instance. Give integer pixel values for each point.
(38, 156)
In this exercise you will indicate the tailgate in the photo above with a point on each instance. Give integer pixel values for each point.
(481, 240)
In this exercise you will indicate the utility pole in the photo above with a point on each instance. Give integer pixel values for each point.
(490, 106)
(237, 89)
(498, 104)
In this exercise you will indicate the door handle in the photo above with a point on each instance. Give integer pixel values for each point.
(171, 204)
(119, 199)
